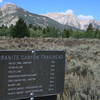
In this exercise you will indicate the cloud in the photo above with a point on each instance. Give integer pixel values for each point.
(69, 11)
(1, 1)
(83, 17)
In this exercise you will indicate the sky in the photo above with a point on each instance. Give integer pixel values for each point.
(85, 9)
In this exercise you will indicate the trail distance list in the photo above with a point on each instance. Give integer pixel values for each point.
(31, 73)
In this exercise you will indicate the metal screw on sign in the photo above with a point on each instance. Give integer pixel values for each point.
(33, 51)
(31, 96)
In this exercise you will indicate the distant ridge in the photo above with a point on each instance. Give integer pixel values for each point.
(10, 13)
(73, 20)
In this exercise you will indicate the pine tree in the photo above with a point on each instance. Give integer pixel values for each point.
(67, 33)
(97, 33)
(20, 30)
(90, 28)
(90, 31)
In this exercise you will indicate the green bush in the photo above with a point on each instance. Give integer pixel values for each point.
(4, 31)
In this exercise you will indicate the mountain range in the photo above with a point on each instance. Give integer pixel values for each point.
(73, 20)
(10, 13)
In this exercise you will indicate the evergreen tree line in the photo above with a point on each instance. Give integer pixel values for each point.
(21, 30)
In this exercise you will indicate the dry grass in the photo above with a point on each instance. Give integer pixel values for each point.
(82, 78)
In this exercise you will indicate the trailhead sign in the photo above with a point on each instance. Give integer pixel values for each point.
(31, 73)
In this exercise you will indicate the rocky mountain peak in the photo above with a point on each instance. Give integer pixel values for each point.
(7, 16)
(8, 6)
(69, 18)
(10, 13)
(65, 18)
(69, 15)
(8, 9)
